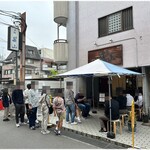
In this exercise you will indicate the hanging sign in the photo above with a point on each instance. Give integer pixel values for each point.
(13, 38)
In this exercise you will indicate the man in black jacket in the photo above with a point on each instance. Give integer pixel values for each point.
(18, 100)
(114, 113)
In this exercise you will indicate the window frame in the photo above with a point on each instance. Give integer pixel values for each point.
(107, 24)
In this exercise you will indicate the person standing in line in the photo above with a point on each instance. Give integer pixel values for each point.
(26, 93)
(45, 102)
(6, 100)
(18, 100)
(70, 105)
(33, 100)
(11, 107)
(59, 110)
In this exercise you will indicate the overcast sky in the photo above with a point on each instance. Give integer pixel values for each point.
(41, 29)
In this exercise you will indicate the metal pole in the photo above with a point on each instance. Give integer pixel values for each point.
(16, 66)
(109, 101)
(58, 32)
(93, 91)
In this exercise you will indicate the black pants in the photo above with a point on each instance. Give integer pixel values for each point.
(32, 117)
(20, 111)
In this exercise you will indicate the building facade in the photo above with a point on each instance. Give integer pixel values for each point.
(117, 32)
(35, 65)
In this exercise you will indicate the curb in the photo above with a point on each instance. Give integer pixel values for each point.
(96, 137)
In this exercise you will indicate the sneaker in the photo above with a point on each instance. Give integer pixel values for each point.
(36, 121)
(47, 131)
(6, 119)
(23, 123)
(28, 122)
(74, 123)
(79, 121)
(56, 132)
(32, 128)
(17, 125)
(43, 132)
(67, 122)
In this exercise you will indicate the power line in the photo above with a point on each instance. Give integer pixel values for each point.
(33, 42)
(2, 40)
(5, 23)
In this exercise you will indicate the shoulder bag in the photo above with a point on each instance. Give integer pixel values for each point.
(50, 108)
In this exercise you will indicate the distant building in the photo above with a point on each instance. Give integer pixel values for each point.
(35, 65)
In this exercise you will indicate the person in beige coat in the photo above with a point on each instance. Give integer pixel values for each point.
(44, 101)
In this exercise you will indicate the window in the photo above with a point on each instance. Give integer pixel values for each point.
(28, 71)
(30, 52)
(116, 22)
(39, 51)
(7, 72)
(30, 61)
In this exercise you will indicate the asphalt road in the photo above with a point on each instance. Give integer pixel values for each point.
(12, 137)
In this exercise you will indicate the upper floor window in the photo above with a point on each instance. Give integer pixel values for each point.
(28, 71)
(116, 22)
(30, 52)
(30, 61)
(7, 72)
(39, 51)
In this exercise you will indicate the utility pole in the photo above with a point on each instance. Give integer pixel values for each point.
(23, 51)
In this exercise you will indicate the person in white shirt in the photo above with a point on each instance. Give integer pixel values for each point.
(25, 94)
(33, 99)
(139, 102)
(129, 100)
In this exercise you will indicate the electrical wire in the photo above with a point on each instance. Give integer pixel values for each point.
(17, 16)
(5, 23)
(32, 42)
(2, 40)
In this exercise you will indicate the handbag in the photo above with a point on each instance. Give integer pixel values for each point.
(50, 108)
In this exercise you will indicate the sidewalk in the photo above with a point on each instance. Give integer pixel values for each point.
(91, 127)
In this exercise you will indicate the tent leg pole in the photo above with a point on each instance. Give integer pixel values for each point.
(93, 111)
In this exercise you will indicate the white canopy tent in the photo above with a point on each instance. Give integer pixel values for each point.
(99, 68)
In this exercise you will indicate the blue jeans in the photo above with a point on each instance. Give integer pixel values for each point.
(70, 109)
(32, 117)
(85, 108)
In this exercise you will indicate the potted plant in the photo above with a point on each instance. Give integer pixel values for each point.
(129, 122)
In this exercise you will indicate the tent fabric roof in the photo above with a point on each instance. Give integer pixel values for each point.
(98, 68)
